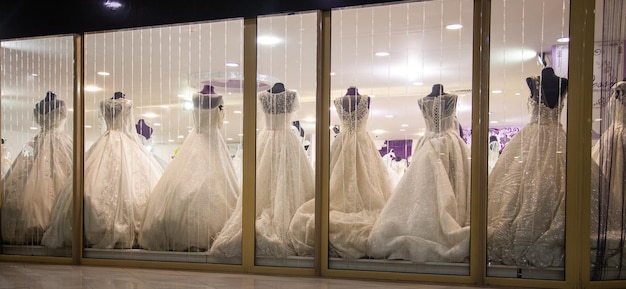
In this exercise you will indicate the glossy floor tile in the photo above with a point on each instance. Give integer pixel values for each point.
(36, 276)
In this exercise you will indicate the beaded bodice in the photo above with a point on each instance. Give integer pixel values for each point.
(540, 112)
(278, 108)
(439, 112)
(117, 113)
(53, 119)
(353, 119)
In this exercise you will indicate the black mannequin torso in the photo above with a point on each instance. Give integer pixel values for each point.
(277, 88)
(437, 91)
(49, 103)
(552, 87)
(351, 99)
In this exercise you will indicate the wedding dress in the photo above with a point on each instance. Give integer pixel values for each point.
(6, 161)
(36, 178)
(119, 176)
(198, 190)
(526, 207)
(427, 217)
(285, 180)
(493, 154)
(359, 186)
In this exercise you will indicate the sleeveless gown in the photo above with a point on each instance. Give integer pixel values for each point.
(358, 189)
(285, 180)
(427, 217)
(35, 180)
(197, 193)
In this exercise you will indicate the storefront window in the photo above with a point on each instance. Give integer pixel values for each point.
(608, 231)
(37, 147)
(399, 185)
(163, 127)
(527, 124)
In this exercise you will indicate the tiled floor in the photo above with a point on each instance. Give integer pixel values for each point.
(31, 276)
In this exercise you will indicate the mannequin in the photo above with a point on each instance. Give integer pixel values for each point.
(207, 98)
(118, 95)
(552, 87)
(277, 88)
(48, 103)
(437, 91)
(351, 99)
(143, 129)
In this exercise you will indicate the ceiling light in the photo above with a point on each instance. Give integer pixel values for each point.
(156, 124)
(517, 93)
(237, 111)
(597, 119)
(187, 105)
(181, 136)
(418, 83)
(454, 26)
(170, 140)
(34, 127)
(103, 73)
(382, 53)
(309, 119)
(232, 64)
(88, 126)
(389, 116)
(164, 106)
(496, 91)
(34, 74)
(92, 88)
(112, 4)
(225, 121)
(268, 40)
(332, 73)
(493, 121)
(230, 138)
(240, 134)
(150, 115)
(378, 131)
(563, 40)
(404, 125)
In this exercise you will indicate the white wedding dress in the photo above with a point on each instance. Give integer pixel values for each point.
(285, 180)
(492, 155)
(38, 175)
(526, 213)
(358, 190)
(6, 161)
(119, 176)
(197, 192)
(427, 217)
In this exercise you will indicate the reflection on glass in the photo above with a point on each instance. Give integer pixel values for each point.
(399, 187)
(37, 146)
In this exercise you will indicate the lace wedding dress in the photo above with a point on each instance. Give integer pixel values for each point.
(36, 178)
(526, 213)
(359, 188)
(198, 190)
(285, 180)
(427, 217)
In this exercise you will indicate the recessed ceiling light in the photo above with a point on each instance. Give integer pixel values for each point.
(156, 124)
(225, 121)
(563, 40)
(34, 74)
(404, 125)
(164, 106)
(454, 26)
(92, 88)
(237, 111)
(597, 119)
(309, 119)
(332, 73)
(240, 134)
(88, 126)
(34, 127)
(268, 40)
(517, 93)
(418, 83)
(493, 121)
(378, 131)
(496, 91)
(170, 140)
(232, 64)
(230, 138)
(181, 136)
(382, 53)
(150, 115)
(389, 116)
(103, 73)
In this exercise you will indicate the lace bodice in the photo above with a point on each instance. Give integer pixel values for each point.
(356, 119)
(278, 108)
(206, 120)
(53, 119)
(439, 112)
(117, 114)
(617, 103)
(540, 112)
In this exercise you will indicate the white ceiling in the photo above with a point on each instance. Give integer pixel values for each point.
(153, 66)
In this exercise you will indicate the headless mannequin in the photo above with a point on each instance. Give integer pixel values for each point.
(351, 99)
(118, 95)
(207, 98)
(437, 91)
(277, 88)
(48, 103)
(552, 87)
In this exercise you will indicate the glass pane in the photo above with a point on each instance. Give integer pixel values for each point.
(399, 153)
(528, 82)
(163, 126)
(287, 54)
(608, 231)
(37, 147)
